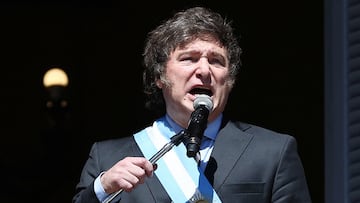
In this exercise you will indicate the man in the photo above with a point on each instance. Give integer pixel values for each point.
(193, 55)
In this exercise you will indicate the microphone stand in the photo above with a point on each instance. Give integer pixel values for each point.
(174, 141)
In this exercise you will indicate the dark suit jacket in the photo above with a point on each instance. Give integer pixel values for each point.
(249, 164)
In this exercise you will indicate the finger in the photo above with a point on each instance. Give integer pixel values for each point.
(155, 166)
(144, 164)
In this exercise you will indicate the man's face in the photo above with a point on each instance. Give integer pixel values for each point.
(201, 67)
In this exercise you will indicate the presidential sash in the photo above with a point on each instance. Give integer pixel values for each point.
(179, 174)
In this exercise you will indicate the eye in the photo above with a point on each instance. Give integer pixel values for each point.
(187, 58)
(217, 61)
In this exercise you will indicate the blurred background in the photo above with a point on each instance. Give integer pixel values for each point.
(47, 132)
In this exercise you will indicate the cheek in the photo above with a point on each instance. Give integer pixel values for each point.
(223, 79)
(178, 76)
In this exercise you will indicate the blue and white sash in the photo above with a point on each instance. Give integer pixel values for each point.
(179, 174)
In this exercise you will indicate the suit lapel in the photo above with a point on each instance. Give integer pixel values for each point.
(229, 146)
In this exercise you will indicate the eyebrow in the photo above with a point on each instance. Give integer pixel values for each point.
(211, 53)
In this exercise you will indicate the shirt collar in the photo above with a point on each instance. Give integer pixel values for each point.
(211, 130)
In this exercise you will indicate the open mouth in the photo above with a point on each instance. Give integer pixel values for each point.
(197, 90)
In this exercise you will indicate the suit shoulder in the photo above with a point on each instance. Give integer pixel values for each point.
(114, 143)
(259, 131)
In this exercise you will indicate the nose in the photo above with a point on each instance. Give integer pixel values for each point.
(203, 70)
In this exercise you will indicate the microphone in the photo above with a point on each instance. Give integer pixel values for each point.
(197, 124)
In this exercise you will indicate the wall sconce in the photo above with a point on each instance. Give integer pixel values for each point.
(55, 82)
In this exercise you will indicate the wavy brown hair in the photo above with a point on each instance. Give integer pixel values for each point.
(181, 29)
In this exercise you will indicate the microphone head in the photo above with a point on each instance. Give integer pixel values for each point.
(203, 99)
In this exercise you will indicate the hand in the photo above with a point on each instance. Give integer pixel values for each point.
(127, 174)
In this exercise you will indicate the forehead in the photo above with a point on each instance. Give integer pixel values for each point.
(202, 45)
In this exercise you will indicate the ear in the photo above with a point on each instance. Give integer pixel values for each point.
(159, 83)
